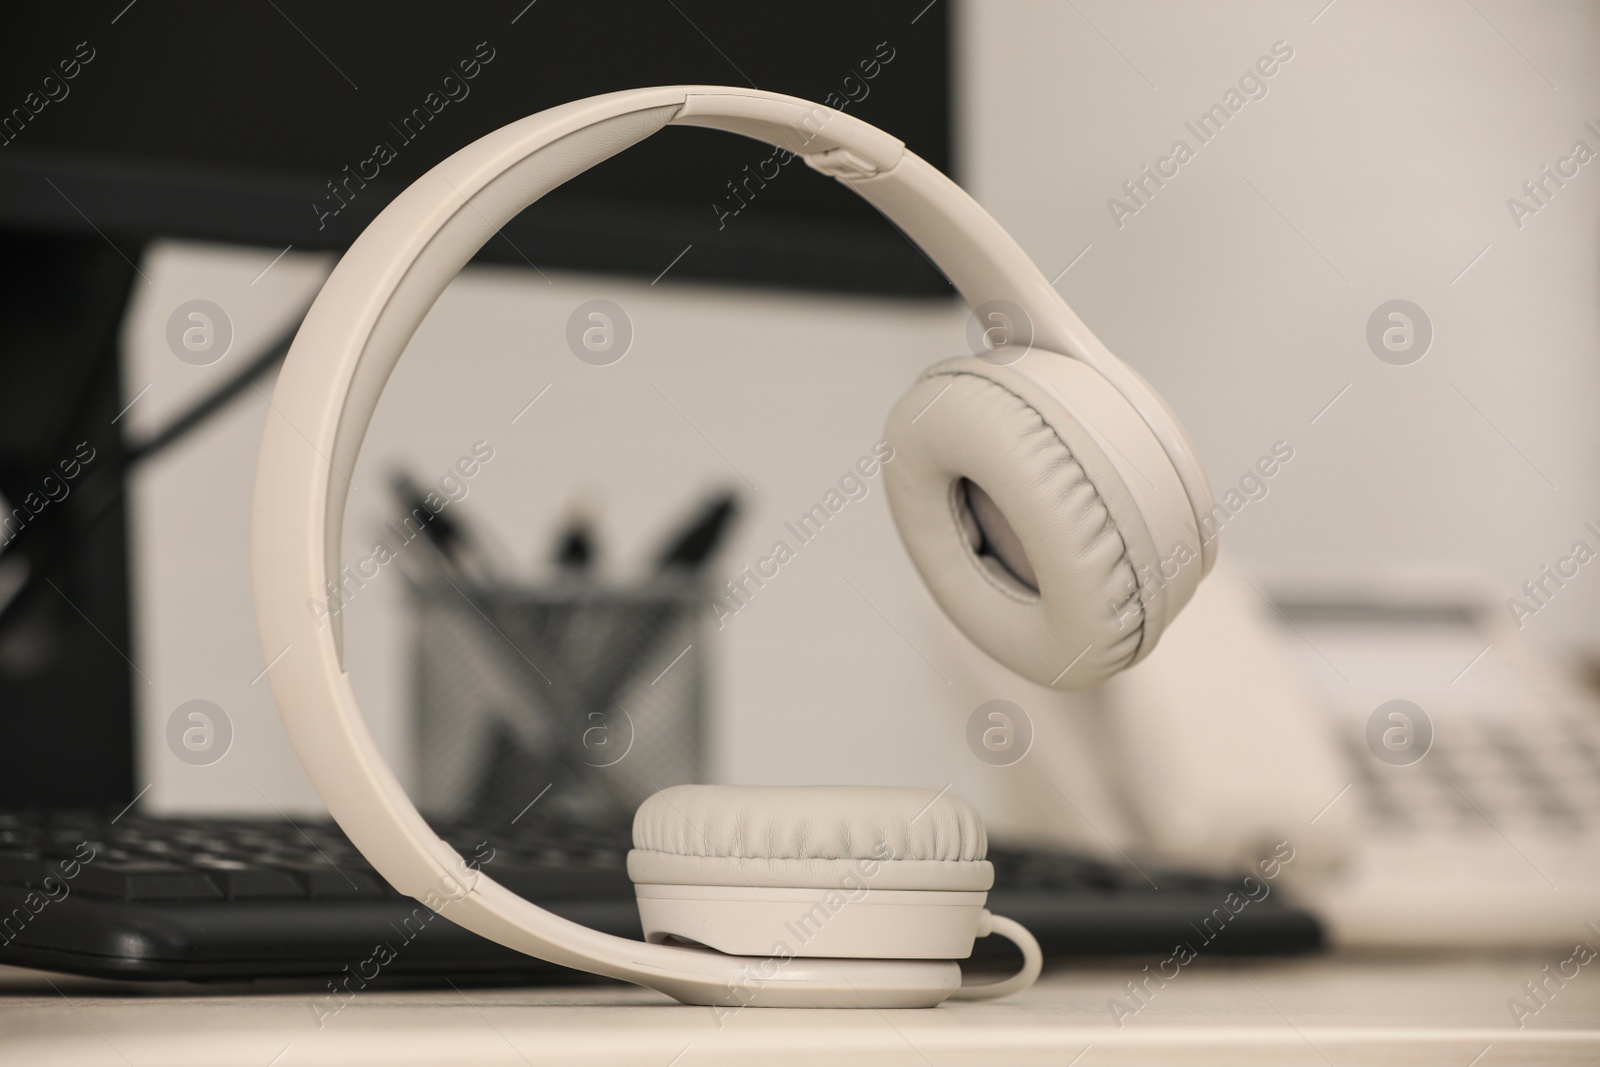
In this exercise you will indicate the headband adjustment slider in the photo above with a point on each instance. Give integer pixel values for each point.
(843, 164)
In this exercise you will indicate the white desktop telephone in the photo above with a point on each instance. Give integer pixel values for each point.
(1438, 779)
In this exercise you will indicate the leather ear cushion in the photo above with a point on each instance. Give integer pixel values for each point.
(812, 837)
(1076, 519)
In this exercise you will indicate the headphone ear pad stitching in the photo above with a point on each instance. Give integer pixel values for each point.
(1082, 530)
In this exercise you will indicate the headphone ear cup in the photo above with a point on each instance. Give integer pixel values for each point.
(879, 872)
(1021, 526)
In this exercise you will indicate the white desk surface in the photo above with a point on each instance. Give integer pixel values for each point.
(1329, 1012)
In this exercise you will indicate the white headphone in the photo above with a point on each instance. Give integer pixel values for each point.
(1046, 494)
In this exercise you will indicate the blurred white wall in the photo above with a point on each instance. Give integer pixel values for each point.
(1376, 167)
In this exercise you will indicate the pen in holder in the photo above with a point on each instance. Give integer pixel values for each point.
(587, 697)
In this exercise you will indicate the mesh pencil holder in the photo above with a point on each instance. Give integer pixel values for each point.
(588, 698)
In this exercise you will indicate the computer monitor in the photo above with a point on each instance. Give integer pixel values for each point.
(294, 123)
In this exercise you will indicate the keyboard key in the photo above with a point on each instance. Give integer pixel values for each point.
(22, 867)
(322, 880)
(136, 880)
(245, 881)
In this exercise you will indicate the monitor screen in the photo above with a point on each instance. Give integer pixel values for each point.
(293, 123)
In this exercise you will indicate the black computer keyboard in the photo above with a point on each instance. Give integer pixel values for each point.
(223, 899)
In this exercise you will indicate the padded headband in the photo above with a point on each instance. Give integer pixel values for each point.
(351, 340)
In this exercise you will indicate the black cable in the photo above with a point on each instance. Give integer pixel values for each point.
(41, 555)
(213, 401)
